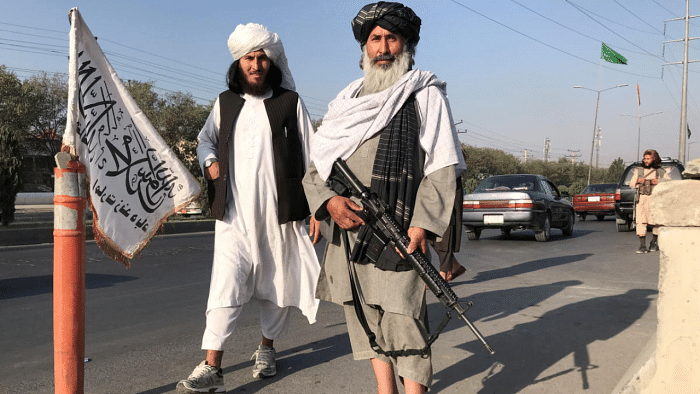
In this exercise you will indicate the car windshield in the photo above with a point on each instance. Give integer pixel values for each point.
(672, 171)
(504, 183)
(600, 188)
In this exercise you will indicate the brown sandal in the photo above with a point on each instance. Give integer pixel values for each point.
(452, 275)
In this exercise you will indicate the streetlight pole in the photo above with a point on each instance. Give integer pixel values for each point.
(639, 128)
(595, 123)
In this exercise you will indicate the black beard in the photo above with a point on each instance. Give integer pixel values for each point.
(253, 90)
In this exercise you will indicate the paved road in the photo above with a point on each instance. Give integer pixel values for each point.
(568, 316)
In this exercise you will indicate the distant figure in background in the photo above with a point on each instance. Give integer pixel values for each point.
(644, 180)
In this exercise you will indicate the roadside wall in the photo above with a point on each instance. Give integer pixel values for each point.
(40, 198)
(674, 366)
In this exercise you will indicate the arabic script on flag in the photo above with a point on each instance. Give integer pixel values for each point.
(135, 180)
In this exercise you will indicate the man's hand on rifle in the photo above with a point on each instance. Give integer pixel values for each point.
(418, 237)
(342, 210)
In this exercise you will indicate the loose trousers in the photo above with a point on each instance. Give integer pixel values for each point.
(221, 322)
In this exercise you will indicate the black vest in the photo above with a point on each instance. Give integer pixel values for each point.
(287, 151)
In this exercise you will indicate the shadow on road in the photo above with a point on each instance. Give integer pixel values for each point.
(526, 267)
(289, 362)
(35, 285)
(529, 235)
(529, 349)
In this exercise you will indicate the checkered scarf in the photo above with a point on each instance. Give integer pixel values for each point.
(395, 176)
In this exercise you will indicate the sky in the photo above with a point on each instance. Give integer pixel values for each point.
(510, 65)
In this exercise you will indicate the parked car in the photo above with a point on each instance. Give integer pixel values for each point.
(517, 202)
(625, 196)
(192, 208)
(597, 199)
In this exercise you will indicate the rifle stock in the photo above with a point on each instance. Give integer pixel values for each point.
(381, 219)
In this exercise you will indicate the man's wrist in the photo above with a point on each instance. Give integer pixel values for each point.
(322, 211)
(209, 162)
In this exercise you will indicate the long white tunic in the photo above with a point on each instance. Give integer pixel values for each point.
(255, 256)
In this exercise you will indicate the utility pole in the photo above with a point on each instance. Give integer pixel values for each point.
(545, 153)
(595, 124)
(597, 147)
(684, 95)
(573, 157)
(525, 155)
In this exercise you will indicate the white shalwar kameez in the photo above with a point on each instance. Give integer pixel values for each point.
(254, 255)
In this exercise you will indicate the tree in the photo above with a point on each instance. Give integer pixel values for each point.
(617, 167)
(178, 119)
(484, 162)
(146, 98)
(13, 120)
(316, 123)
(48, 100)
(181, 120)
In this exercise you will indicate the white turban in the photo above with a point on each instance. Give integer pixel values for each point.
(254, 37)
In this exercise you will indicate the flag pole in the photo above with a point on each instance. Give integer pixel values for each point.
(70, 197)
(69, 275)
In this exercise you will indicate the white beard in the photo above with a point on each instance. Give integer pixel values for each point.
(379, 78)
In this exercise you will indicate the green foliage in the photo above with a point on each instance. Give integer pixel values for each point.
(470, 184)
(577, 188)
(10, 182)
(316, 123)
(48, 101)
(484, 162)
(13, 119)
(570, 176)
(176, 116)
(614, 172)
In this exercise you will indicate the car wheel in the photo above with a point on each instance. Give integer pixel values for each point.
(544, 234)
(473, 235)
(624, 227)
(582, 216)
(505, 232)
(600, 217)
(569, 229)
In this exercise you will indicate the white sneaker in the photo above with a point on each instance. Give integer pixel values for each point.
(265, 366)
(204, 379)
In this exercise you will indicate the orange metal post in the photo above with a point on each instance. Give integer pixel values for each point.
(69, 276)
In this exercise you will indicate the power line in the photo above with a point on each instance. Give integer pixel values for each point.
(667, 10)
(549, 46)
(31, 27)
(576, 31)
(633, 14)
(609, 29)
(609, 20)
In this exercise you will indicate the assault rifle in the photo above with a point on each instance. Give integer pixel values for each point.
(379, 217)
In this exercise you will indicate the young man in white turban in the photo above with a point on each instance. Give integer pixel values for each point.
(394, 129)
(253, 150)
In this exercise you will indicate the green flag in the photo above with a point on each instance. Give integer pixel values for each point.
(611, 56)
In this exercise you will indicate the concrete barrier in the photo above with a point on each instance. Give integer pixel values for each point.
(673, 361)
(39, 198)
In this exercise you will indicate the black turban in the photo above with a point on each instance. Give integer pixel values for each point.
(394, 17)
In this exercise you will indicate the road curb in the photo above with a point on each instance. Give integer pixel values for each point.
(44, 235)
